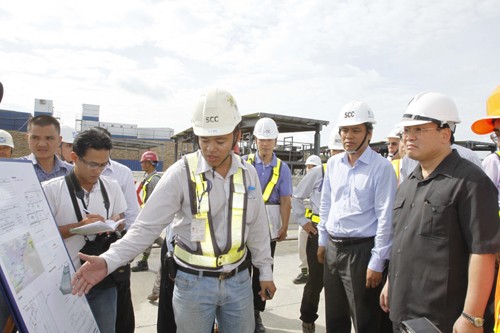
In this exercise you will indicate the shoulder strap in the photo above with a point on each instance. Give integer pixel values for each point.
(251, 159)
(104, 197)
(191, 188)
(71, 190)
(75, 190)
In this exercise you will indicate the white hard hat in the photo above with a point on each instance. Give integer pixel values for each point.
(215, 114)
(314, 160)
(355, 113)
(395, 133)
(431, 107)
(335, 142)
(6, 139)
(68, 134)
(265, 128)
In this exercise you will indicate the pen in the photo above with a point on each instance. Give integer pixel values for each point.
(86, 210)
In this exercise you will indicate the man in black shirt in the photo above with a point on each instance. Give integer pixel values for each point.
(446, 227)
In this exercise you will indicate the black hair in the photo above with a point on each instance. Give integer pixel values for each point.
(104, 130)
(43, 120)
(92, 138)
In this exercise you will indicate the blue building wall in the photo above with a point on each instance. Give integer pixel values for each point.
(14, 120)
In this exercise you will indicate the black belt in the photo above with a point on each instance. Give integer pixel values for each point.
(346, 241)
(220, 275)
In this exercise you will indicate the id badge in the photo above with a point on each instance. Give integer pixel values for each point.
(197, 230)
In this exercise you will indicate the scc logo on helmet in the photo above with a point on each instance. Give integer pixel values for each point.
(349, 114)
(212, 119)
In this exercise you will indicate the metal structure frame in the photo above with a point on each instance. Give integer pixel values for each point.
(292, 152)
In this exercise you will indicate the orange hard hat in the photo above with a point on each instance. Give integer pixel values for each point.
(486, 125)
(149, 156)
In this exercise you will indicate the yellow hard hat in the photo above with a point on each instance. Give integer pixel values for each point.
(485, 125)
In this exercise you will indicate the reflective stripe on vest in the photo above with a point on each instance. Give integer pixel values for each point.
(144, 187)
(311, 216)
(273, 180)
(209, 256)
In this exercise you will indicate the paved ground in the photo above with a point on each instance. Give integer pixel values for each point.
(282, 313)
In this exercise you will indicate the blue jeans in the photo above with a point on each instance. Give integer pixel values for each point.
(103, 305)
(198, 300)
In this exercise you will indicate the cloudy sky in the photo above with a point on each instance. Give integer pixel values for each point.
(146, 62)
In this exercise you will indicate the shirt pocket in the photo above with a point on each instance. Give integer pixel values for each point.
(397, 210)
(436, 216)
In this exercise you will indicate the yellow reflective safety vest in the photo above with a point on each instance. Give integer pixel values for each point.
(145, 184)
(273, 180)
(396, 164)
(208, 255)
(309, 213)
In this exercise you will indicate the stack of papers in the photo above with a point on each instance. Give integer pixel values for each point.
(97, 227)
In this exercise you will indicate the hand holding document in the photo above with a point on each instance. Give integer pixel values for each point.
(97, 227)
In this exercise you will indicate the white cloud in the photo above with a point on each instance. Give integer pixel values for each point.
(146, 62)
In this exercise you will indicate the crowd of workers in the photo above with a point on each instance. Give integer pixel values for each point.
(394, 242)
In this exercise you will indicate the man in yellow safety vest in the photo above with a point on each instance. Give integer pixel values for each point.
(209, 198)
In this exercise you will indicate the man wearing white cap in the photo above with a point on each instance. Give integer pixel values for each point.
(6, 144)
(207, 197)
(311, 162)
(355, 230)
(310, 188)
(446, 227)
(393, 140)
(276, 184)
(68, 134)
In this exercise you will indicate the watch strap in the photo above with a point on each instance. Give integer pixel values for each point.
(476, 321)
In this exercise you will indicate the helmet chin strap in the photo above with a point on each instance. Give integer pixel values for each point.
(352, 152)
(395, 153)
(225, 158)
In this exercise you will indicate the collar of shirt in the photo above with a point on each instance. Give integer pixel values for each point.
(445, 168)
(58, 164)
(109, 169)
(203, 166)
(273, 163)
(365, 158)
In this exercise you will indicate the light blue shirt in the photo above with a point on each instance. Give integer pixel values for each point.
(284, 186)
(309, 188)
(61, 168)
(357, 202)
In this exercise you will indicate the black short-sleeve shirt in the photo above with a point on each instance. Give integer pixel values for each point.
(438, 222)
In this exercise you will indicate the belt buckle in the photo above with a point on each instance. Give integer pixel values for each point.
(225, 275)
(337, 242)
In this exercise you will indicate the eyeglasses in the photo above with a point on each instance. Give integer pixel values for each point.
(392, 143)
(93, 165)
(418, 131)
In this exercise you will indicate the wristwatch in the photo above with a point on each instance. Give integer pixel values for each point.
(476, 321)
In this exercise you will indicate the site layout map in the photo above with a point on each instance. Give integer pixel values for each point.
(35, 267)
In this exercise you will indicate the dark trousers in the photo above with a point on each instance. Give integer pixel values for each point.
(314, 284)
(125, 320)
(345, 289)
(258, 304)
(166, 320)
